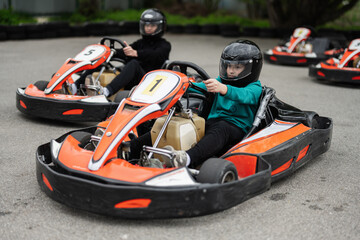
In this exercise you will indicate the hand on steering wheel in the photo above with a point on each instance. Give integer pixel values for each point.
(214, 86)
(129, 51)
(209, 96)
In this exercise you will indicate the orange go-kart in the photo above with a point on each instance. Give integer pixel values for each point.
(344, 69)
(302, 49)
(90, 169)
(56, 99)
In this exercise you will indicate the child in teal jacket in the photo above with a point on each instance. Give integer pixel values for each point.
(237, 92)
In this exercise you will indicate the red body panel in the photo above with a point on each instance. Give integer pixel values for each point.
(114, 167)
(117, 169)
(245, 152)
(31, 90)
(74, 65)
(261, 145)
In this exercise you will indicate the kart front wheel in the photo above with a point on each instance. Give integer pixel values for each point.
(41, 85)
(217, 170)
(312, 119)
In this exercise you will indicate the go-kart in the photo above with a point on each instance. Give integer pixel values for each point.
(302, 49)
(56, 99)
(90, 168)
(345, 69)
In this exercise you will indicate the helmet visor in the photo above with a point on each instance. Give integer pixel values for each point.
(233, 70)
(150, 28)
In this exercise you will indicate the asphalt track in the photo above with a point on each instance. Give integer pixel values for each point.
(319, 201)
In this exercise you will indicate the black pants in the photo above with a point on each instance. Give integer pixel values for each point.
(219, 136)
(129, 77)
(137, 144)
(81, 80)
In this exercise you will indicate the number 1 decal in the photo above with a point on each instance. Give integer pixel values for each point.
(157, 83)
(154, 85)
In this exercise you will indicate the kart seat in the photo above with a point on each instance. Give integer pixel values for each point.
(264, 115)
(320, 45)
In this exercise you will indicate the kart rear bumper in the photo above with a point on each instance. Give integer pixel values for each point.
(335, 75)
(292, 60)
(103, 197)
(64, 110)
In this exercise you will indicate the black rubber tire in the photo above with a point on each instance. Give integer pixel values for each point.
(211, 29)
(312, 119)
(217, 170)
(41, 85)
(192, 28)
(121, 95)
(82, 137)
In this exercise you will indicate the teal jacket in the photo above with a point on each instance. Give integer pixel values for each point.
(237, 106)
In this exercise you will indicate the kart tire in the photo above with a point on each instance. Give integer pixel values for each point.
(217, 170)
(82, 137)
(41, 85)
(312, 119)
(121, 95)
(211, 29)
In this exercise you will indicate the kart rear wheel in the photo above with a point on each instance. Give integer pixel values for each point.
(217, 170)
(41, 85)
(83, 138)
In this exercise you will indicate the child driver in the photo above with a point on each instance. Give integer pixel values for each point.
(237, 92)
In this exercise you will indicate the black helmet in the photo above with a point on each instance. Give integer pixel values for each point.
(153, 16)
(245, 53)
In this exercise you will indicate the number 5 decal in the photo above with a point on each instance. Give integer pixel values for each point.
(154, 85)
(90, 52)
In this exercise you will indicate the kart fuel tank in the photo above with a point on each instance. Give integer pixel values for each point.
(181, 133)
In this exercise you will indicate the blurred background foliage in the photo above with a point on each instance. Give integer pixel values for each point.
(338, 14)
(8, 17)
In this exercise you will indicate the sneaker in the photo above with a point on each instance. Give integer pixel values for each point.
(93, 88)
(73, 89)
(179, 159)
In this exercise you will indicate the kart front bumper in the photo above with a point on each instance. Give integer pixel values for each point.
(292, 60)
(64, 110)
(335, 75)
(109, 198)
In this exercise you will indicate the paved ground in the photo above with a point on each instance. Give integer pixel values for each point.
(320, 201)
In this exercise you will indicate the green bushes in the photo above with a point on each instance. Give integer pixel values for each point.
(216, 18)
(8, 17)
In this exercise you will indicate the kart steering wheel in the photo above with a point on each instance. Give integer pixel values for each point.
(209, 97)
(112, 46)
(183, 65)
(112, 42)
